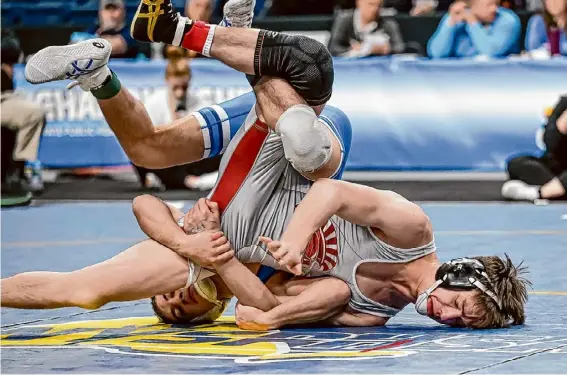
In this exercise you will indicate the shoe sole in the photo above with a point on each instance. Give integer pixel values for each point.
(52, 63)
(16, 200)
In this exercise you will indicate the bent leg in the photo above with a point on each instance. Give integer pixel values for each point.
(312, 148)
(141, 271)
(203, 134)
(28, 119)
(530, 170)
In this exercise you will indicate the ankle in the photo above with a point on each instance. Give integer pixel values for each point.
(199, 38)
(109, 86)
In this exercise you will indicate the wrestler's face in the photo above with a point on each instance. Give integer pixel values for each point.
(181, 306)
(484, 10)
(178, 86)
(453, 308)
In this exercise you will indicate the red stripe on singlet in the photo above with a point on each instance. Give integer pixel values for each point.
(240, 164)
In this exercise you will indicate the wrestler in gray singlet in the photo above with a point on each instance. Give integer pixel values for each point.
(258, 191)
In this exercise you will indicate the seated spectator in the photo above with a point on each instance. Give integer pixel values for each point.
(362, 32)
(22, 125)
(166, 106)
(543, 177)
(547, 32)
(476, 27)
(112, 26)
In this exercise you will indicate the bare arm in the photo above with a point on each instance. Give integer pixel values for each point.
(324, 297)
(353, 319)
(402, 222)
(141, 271)
(157, 221)
(246, 286)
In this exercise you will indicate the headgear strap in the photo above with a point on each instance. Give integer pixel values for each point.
(466, 274)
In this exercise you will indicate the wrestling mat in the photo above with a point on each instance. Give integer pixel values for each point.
(125, 338)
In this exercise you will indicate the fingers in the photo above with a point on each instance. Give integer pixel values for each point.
(297, 269)
(214, 207)
(265, 240)
(225, 257)
(272, 245)
(202, 206)
(214, 236)
(220, 241)
(293, 263)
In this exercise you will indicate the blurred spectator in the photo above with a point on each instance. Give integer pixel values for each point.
(362, 32)
(22, 124)
(542, 177)
(514, 5)
(547, 32)
(301, 7)
(413, 7)
(112, 27)
(167, 106)
(476, 27)
(200, 10)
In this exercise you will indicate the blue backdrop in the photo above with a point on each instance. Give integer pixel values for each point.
(406, 114)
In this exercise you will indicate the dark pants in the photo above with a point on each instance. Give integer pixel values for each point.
(174, 177)
(536, 171)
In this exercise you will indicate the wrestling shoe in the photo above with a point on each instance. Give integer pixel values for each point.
(238, 13)
(157, 21)
(520, 191)
(84, 63)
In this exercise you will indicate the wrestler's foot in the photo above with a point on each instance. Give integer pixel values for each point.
(519, 190)
(84, 63)
(238, 13)
(157, 21)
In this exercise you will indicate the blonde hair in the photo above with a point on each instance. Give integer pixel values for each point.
(177, 62)
(510, 287)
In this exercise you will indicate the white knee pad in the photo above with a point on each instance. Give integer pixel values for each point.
(306, 142)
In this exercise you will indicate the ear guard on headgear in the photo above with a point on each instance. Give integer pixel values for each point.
(207, 290)
(466, 274)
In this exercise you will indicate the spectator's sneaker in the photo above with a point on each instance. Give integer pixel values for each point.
(520, 191)
(157, 21)
(153, 182)
(206, 181)
(84, 63)
(238, 13)
(15, 192)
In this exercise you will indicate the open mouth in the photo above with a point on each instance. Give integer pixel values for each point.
(191, 295)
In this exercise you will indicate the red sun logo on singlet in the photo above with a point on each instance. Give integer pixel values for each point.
(322, 252)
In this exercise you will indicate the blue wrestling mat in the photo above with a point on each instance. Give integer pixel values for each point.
(125, 338)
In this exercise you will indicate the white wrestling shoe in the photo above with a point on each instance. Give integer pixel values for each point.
(238, 13)
(520, 191)
(84, 63)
